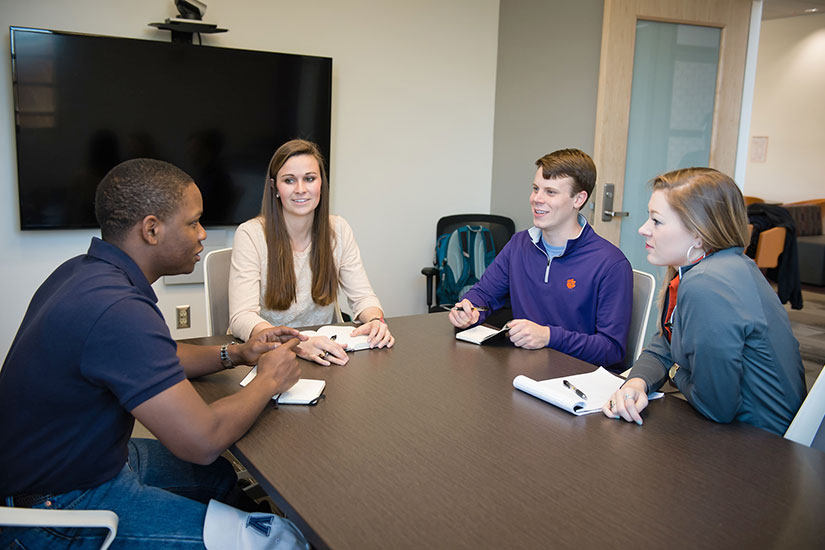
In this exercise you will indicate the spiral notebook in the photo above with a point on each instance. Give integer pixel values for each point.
(597, 386)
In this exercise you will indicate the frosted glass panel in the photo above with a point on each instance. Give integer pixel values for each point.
(671, 112)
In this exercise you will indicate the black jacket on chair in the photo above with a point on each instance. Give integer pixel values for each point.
(765, 216)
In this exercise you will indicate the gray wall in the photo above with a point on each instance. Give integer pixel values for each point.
(546, 83)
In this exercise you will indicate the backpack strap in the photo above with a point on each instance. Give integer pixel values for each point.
(483, 251)
(452, 258)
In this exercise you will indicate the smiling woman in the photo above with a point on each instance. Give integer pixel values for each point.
(289, 263)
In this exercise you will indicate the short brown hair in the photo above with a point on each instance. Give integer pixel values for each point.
(570, 163)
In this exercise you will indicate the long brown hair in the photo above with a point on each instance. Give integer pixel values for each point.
(280, 273)
(708, 203)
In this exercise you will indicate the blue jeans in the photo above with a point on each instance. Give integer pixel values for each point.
(161, 502)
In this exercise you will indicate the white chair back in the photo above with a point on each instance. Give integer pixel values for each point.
(808, 427)
(216, 290)
(39, 517)
(643, 290)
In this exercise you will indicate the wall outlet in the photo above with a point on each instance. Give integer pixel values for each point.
(184, 321)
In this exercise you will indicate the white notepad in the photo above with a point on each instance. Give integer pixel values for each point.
(306, 391)
(480, 334)
(598, 386)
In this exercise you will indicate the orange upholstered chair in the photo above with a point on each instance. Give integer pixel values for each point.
(770, 245)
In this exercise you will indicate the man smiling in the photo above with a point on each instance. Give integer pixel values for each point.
(570, 289)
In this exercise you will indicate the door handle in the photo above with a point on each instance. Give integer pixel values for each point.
(614, 214)
(608, 213)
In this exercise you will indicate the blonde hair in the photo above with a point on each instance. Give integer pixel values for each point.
(708, 203)
(280, 274)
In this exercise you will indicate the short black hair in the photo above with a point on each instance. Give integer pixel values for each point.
(571, 163)
(135, 189)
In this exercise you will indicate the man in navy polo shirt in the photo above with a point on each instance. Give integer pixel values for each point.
(570, 289)
(94, 352)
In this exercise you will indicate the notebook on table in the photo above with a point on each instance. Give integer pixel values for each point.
(306, 391)
(596, 386)
(481, 333)
(341, 334)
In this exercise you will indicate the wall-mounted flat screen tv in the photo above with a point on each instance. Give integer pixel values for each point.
(85, 103)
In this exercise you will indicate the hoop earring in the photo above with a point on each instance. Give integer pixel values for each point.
(689, 250)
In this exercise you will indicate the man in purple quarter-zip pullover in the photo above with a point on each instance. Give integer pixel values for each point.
(570, 289)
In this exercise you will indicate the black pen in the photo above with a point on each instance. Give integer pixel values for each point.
(570, 386)
(479, 308)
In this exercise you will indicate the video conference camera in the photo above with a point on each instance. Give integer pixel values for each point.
(189, 23)
(191, 9)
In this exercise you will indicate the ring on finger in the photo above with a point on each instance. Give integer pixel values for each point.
(612, 405)
(628, 396)
(323, 355)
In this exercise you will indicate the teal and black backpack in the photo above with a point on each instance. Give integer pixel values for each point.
(461, 258)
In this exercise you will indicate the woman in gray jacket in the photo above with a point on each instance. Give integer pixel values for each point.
(725, 340)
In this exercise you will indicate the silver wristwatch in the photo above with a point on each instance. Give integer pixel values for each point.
(225, 360)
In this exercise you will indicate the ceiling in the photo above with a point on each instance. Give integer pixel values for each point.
(776, 9)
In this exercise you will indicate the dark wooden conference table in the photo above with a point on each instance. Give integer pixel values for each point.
(428, 445)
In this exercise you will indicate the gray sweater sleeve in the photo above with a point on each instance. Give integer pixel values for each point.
(708, 338)
(653, 364)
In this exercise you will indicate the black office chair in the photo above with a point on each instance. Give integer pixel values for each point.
(501, 228)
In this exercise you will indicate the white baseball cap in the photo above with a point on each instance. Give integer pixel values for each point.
(227, 528)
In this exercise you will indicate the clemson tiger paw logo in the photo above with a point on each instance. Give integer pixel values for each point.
(571, 283)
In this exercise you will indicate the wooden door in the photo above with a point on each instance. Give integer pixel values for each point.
(616, 82)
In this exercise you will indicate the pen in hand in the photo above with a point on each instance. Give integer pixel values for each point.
(323, 356)
(573, 388)
(479, 308)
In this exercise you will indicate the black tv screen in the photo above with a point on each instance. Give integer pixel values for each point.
(85, 103)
